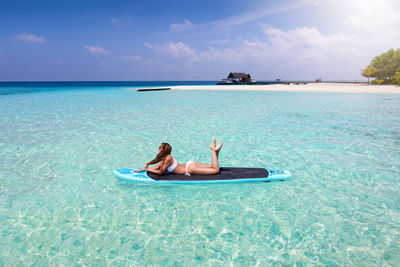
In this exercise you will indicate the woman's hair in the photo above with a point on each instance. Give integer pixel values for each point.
(165, 151)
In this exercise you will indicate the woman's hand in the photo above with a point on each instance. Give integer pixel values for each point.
(139, 170)
(146, 166)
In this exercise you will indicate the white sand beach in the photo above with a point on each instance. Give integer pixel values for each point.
(309, 87)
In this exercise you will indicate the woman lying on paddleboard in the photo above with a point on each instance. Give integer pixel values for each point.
(167, 163)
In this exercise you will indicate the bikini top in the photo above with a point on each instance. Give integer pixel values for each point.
(172, 167)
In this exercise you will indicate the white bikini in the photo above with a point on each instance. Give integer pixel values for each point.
(186, 168)
(172, 167)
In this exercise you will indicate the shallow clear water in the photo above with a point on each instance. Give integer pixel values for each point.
(61, 204)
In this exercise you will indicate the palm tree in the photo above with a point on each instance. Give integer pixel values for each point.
(368, 72)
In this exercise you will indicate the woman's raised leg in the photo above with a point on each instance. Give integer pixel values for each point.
(213, 146)
(199, 168)
(195, 169)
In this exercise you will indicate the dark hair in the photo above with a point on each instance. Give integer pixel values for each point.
(165, 151)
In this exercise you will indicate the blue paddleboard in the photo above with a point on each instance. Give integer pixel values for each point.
(226, 175)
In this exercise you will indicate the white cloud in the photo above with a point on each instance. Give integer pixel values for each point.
(104, 64)
(308, 43)
(114, 20)
(60, 62)
(29, 38)
(181, 26)
(376, 22)
(298, 44)
(175, 50)
(131, 58)
(148, 45)
(96, 49)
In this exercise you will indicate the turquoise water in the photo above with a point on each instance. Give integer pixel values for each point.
(61, 205)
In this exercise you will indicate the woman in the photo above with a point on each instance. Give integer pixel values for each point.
(167, 163)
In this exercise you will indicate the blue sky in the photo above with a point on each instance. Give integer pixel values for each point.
(193, 40)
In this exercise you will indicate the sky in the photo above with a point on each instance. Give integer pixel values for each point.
(97, 40)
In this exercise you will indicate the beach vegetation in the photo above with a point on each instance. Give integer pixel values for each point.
(385, 65)
(368, 72)
(378, 81)
(396, 78)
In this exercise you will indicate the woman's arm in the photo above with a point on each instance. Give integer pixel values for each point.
(156, 169)
(153, 169)
(158, 166)
(163, 167)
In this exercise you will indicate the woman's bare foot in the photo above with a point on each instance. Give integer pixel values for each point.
(213, 146)
(218, 147)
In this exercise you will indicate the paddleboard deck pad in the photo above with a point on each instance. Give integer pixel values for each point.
(226, 175)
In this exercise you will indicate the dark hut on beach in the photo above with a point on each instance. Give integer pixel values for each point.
(239, 77)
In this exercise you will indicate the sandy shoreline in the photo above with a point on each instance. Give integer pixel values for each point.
(310, 87)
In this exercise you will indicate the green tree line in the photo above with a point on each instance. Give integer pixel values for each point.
(385, 68)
